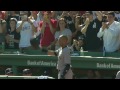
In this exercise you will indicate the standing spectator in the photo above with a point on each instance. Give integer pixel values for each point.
(70, 21)
(78, 26)
(34, 17)
(62, 30)
(13, 14)
(36, 37)
(78, 40)
(26, 28)
(48, 28)
(91, 29)
(12, 37)
(110, 31)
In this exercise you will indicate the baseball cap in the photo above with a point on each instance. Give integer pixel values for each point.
(13, 19)
(8, 71)
(26, 71)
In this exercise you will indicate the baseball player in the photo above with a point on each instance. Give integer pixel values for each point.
(64, 59)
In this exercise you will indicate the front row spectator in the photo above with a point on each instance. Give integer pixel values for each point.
(9, 72)
(62, 30)
(48, 28)
(110, 31)
(78, 43)
(26, 28)
(12, 37)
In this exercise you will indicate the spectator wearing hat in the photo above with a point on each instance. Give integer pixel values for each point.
(11, 14)
(12, 37)
(9, 72)
(27, 72)
(62, 30)
(69, 17)
(78, 26)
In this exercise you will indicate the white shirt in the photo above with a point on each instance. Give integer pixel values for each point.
(111, 37)
(25, 34)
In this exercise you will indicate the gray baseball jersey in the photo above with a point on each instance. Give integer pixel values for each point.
(63, 59)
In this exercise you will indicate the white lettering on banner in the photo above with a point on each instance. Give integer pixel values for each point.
(108, 65)
(42, 63)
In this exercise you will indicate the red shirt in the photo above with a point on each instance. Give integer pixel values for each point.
(48, 36)
(2, 15)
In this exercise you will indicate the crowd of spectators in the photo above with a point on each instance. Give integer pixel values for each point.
(95, 31)
(91, 30)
